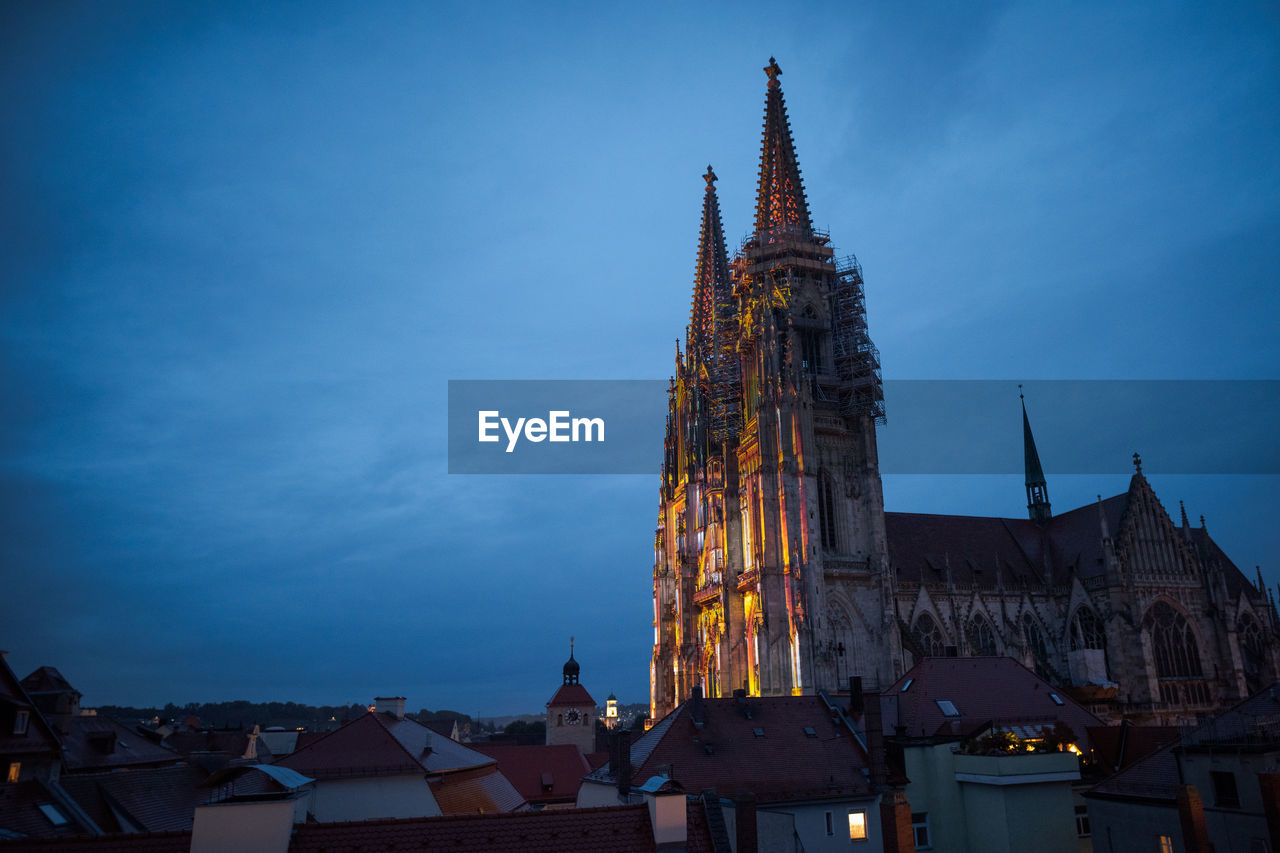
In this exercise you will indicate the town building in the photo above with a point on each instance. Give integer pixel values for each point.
(571, 712)
(1218, 784)
(778, 571)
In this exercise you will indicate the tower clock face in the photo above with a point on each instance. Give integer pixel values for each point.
(572, 717)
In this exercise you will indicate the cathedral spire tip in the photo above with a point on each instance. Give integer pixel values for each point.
(773, 71)
(710, 177)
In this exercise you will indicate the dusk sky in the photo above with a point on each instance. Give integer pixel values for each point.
(246, 245)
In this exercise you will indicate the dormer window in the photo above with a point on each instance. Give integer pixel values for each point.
(20, 721)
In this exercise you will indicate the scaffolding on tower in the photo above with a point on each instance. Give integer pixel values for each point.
(856, 358)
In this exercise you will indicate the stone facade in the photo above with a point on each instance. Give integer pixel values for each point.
(777, 569)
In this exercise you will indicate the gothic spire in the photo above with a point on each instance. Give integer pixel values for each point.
(1037, 488)
(712, 291)
(780, 201)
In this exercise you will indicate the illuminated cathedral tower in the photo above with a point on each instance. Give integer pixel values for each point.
(771, 568)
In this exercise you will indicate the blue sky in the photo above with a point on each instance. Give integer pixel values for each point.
(246, 245)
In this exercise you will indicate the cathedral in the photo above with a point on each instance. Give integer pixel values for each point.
(778, 571)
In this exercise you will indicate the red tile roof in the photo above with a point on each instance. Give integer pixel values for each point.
(571, 694)
(616, 829)
(20, 811)
(99, 743)
(982, 689)
(363, 747)
(759, 744)
(153, 799)
(528, 767)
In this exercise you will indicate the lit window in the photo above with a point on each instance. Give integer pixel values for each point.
(857, 826)
(948, 708)
(920, 829)
(1165, 844)
(14, 769)
(831, 826)
(51, 812)
(20, 722)
(1082, 821)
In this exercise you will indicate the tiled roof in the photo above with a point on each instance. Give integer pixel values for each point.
(363, 747)
(46, 679)
(152, 799)
(39, 739)
(616, 829)
(163, 842)
(981, 690)
(20, 811)
(571, 694)
(1155, 778)
(1116, 747)
(481, 791)
(540, 773)
(97, 743)
(760, 744)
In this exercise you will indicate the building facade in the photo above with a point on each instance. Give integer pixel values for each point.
(778, 571)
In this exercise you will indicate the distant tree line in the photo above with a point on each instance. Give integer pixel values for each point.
(242, 713)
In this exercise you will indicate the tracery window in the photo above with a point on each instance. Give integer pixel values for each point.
(982, 639)
(1173, 643)
(1033, 638)
(1253, 653)
(928, 636)
(1086, 631)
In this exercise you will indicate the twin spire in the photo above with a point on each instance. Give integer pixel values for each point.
(780, 201)
(712, 290)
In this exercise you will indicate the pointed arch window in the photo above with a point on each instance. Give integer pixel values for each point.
(1173, 643)
(827, 513)
(1086, 631)
(1253, 654)
(928, 636)
(981, 637)
(1033, 639)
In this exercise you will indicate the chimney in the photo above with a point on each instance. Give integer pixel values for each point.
(744, 807)
(247, 827)
(1269, 783)
(873, 725)
(620, 759)
(1195, 834)
(855, 696)
(895, 823)
(697, 711)
(393, 705)
(668, 814)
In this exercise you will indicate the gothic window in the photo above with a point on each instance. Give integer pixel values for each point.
(982, 640)
(811, 351)
(928, 636)
(1253, 653)
(1033, 639)
(1086, 631)
(744, 519)
(1173, 642)
(827, 512)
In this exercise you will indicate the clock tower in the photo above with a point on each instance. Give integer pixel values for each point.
(571, 711)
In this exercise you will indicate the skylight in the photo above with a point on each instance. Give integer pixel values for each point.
(809, 732)
(905, 686)
(51, 812)
(1057, 700)
(948, 708)
(758, 732)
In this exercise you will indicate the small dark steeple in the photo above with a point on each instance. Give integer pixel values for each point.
(1037, 488)
(571, 667)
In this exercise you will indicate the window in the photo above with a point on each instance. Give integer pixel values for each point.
(982, 640)
(1057, 700)
(1177, 654)
(831, 826)
(1086, 631)
(1082, 821)
(920, 828)
(1225, 793)
(827, 512)
(1253, 654)
(908, 684)
(1035, 643)
(20, 722)
(1164, 844)
(55, 816)
(928, 636)
(948, 708)
(857, 826)
(14, 769)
